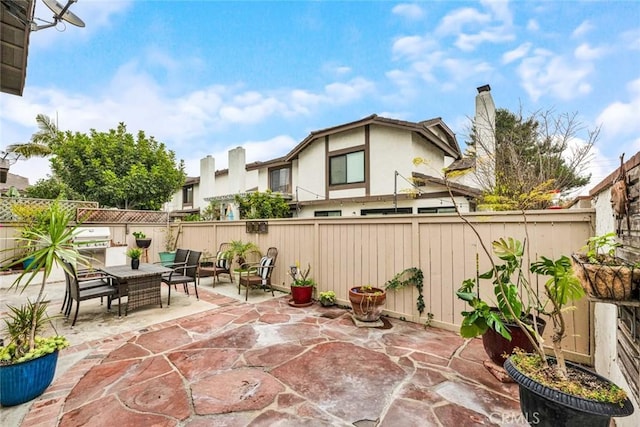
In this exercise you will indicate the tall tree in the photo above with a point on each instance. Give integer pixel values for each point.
(116, 169)
(40, 143)
(542, 150)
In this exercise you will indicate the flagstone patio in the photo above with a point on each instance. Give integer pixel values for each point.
(266, 363)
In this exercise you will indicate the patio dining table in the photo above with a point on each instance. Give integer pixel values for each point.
(142, 286)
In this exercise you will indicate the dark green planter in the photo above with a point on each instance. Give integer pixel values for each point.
(22, 382)
(546, 407)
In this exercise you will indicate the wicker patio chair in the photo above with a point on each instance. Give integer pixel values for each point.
(184, 274)
(258, 274)
(221, 264)
(95, 287)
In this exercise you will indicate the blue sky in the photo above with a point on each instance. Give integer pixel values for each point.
(207, 76)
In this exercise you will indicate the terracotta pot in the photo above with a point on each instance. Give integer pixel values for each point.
(367, 305)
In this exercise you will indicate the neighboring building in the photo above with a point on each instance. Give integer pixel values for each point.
(20, 183)
(363, 167)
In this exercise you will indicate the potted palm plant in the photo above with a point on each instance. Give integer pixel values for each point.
(27, 360)
(302, 286)
(238, 250)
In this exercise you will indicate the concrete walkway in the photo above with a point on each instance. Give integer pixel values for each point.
(223, 362)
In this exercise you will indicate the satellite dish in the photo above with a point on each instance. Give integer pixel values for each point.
(62, 13)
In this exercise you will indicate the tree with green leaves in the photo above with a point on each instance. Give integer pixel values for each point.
(258, 205)
(543, 149)
(52, 188)
(113, 168)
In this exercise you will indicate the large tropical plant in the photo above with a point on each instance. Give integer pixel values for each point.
(239, 250)
(52, 243)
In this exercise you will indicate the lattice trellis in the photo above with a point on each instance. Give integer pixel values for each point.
(119, 216)
(6, 204)
(85, 212)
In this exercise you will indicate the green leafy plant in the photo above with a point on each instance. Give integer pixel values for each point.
(327, 298)
(239, 250)
(301, 277)
(508, 284)
(18, 325)
(139, 235)
(602, 249)
(134, 253)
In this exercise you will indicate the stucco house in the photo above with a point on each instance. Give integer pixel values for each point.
(364, 167)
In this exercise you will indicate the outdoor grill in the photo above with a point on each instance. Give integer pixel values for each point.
(93, 238)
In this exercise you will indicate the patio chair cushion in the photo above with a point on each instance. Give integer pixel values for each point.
(222, 260)
(263, 270)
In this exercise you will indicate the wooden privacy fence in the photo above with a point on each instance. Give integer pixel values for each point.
(346, 252)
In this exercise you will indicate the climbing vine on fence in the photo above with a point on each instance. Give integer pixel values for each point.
(407, 277)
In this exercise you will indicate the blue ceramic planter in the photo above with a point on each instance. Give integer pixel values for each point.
(25, 381)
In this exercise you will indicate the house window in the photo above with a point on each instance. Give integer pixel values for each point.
(445, 209)
(327, 213)
(386, 211)
(280, 180)
(187, 195)
(347, 168)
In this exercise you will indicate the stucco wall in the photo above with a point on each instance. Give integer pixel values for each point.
(606, 318)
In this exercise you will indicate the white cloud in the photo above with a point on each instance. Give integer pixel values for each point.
(620, 119)
(585, 52)
(412, 47)
(500, 10)
(408, 11)
(532, 25)
(468, 42)
(454, 22)
(517, 53)
(547, 74)
(582, 29)
(342, 93)
(631, 39)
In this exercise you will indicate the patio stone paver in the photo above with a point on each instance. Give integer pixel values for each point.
(270, 364)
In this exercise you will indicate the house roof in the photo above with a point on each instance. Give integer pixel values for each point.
(457, 189)
(425, 128)
(609, 180)
(19, 182)
(15, 16)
